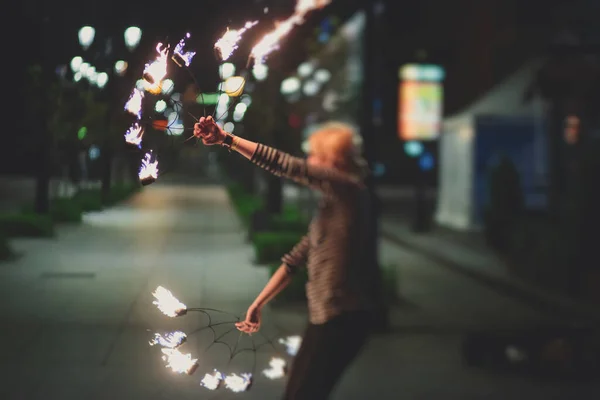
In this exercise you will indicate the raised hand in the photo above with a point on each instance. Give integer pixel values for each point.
(208, 130)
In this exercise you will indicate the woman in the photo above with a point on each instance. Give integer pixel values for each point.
(339, 290)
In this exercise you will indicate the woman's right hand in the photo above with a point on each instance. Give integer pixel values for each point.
(208, 130)
(252, 322)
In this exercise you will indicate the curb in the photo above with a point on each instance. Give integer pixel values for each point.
(536, 297)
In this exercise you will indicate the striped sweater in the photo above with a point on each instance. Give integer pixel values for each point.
(333, 249)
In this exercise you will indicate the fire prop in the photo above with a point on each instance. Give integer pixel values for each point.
(156, 71)
(180, 57)
(149, 170)
(227, 44)
(184, 363)
(270, 41)
(134, 135)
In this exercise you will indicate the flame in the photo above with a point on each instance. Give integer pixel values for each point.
(149, 169)
(134, 135)
(292, 344)
(165, 301)
(134, 104)
(212, 382)
(277, 370)
(228, 43)
(178, 362)
(156, 71)
(186, 57)
(270, 42)
(171, 340)
(237, 383)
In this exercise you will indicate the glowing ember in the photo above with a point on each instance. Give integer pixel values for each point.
(237, 383)
(134, 135)
(134, 104)
(178, 362)
(212, 382)
(292, 344)
(277, 370)
(171, 340)
(229, 42)
(148, 174)
(155, 72)
(180, 57)
(270, 42)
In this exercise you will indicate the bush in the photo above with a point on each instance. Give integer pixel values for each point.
(61, 210)
(270, 246)
(119, 193)
(65, 210)
(5, 250)
(89, 199)
(26, 225)
(244, 203)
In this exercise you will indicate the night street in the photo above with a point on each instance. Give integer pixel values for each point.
(77, 311)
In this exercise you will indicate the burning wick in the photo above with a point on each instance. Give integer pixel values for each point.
(212, 382)
(277, 370)
(134, 104)
(134, 135)
(167, 303)
(179, 57)
(237, 383)
(149, 170)
(155, 72)
(292, 344)
(229, 42)
(171, 340)
(180, 363)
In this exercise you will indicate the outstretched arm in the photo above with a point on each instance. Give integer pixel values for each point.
(275, 161)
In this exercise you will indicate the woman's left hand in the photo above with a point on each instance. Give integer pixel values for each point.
(252, 322)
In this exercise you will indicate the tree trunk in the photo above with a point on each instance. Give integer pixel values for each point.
(44, 170)
(367, 129)
(107, 161)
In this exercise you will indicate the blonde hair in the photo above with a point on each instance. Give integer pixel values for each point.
(339, 142)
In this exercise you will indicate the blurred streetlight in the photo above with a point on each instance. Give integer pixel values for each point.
(226, 70)
(234, 86)
(311, 87)
(229, 127)
(260, 72)
(77, 76)
(76, 64)
(322, 76)
(102, 79)
(132, 35)
(290, 85)
(305, 69)
(86, 36)
(83, 68)
(167, 86)
(160, 106)
(121, 67)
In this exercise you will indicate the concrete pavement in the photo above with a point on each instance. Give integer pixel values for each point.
(77, 312)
